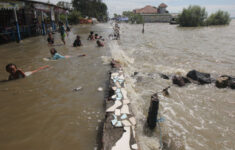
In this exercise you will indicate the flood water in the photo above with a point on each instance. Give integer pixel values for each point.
(196, 117)
(42, 112)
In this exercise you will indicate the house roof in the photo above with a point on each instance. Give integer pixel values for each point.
(147, 10)
(163, 5)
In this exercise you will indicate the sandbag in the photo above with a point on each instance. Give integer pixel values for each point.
(179, 80)
(201, 78)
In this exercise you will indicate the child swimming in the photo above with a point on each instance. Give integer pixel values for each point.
(14, 72)
(55, 55)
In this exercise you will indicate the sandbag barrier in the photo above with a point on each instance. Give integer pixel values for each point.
(120, 123)
(200, 78)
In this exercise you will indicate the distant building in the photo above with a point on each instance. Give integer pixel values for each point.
(146, 10)
(154, 14)
(162, 8)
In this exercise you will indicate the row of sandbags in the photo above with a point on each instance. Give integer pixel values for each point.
(193, 76)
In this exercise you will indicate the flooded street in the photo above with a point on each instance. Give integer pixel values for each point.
(196, 117)
(42, 112)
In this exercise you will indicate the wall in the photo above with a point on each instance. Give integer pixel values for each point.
(156, 17)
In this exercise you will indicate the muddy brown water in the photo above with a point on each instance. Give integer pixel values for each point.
(42, 112)
(196, 117)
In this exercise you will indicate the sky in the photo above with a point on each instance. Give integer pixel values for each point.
(174, 6)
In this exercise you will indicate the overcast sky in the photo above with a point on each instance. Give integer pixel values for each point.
(174, 6)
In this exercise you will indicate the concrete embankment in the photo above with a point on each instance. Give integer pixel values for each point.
(120, 123)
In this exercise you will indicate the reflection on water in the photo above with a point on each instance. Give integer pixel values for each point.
(196, 117)
(42, 112)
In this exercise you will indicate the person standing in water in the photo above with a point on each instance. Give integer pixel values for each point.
(77, 42)
(62, 32)
(91, 36)
(50, 39)
(14, 72)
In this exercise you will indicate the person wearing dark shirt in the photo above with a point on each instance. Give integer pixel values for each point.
(14, 72)
(50, 39)
(77, 42)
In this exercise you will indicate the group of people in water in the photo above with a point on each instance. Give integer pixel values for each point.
(15, 73)
(116, 34)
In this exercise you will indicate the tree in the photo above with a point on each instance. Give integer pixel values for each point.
(219, 18)
(92, 8)
(133, 17)
(192, 16)
(196, 16)
(74, 17)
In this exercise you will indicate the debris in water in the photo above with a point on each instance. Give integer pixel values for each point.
(77, 89)
(100, 89)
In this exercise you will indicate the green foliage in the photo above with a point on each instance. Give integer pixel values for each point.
(138, 19)
(192, 16)
(116, 15)
(74, 17)
(92, 8)
(219, 18)
(63, 18)
(133, 17)
(196, 16)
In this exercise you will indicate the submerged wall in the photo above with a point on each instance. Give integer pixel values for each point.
(148, 18)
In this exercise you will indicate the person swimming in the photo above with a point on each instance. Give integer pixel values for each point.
(77, 42)
(99, 43)
(50, 39)
(91, 36)
(14, 72)
(55, 55)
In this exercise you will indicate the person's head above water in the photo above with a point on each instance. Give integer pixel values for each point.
(11, 68)
(99, 43)
(53, 51)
